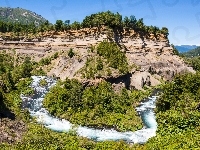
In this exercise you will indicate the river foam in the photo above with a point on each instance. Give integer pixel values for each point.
(34, 105)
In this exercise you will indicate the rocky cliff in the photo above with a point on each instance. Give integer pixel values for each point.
(151, 57)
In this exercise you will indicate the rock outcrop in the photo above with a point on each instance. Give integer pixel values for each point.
(140, 79)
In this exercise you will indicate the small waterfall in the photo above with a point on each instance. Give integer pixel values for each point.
(34, 105)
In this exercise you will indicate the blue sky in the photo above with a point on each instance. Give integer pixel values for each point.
(181, 17)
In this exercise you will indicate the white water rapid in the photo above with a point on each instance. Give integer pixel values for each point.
(34, 105)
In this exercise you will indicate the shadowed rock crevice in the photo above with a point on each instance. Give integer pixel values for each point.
(120, 82)
(4, 111)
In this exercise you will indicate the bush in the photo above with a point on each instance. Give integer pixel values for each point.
(55, 55)
(43, 82)
(28, 91)
(45, 61)
(115, 58)
(71, 53)
(99, 64)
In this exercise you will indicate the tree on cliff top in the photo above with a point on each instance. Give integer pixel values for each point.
(59, 25)
(103, 18)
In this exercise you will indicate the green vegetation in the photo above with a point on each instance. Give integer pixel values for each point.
(94, 67)
(194, 62)
(115, 58)
(97, 106)
(71, 53)
(192, 53)
(14, 80)
(19, 29)
(177, 115)
(192, 58)
(112, 21)
(38, 137)
(68, 95)
(28, 92)
(102, 18)
(12, 84)
(108, 58)
(47, 60)
(43, 82)
(175, 51)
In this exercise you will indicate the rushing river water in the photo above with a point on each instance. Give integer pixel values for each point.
(34, 105)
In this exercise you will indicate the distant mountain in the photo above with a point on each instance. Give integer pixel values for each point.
(185, 48)
(23, 16)
(192, 53)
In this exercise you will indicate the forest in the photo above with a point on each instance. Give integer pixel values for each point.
(192, 53)
(112, 20)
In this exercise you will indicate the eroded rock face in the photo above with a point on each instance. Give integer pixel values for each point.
(66, 67)
(153, 55)
(159, 61)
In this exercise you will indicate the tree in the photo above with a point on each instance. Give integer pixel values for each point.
(75, 25)
(23, 70)
(115, 58)
(175, 51)
(133, 21)
(103, 18)
(66, 25)
(99, 64)
(59, 25)
(165, 31)
(126, 21)
(46, 23)
(140, 23)
(67, 22)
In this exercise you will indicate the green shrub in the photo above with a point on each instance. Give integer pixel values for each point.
(55, 55)
(71, 53)
(99, 64)
(115, 58)
(45, 61)
(38, 72)
(43, 82)
(28, 92)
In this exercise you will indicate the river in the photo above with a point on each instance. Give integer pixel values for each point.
(34, 105)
